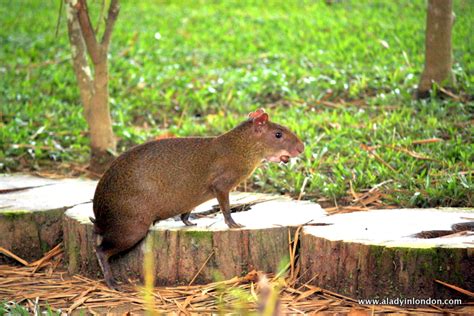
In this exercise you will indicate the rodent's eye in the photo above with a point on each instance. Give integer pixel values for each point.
(278, 134)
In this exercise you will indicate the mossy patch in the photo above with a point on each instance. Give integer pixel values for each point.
(197, 234)
(412, 245)
(45, 247)
(435, 262)
(377, 252)
(72, 251)
(14, 214)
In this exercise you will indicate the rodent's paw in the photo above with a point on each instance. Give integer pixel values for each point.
(189, 223)
(112, 284)
(235, 225)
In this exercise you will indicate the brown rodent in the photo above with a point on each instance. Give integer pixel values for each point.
(164, 178)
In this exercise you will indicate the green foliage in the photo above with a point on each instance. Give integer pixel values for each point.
(197, 68)
(15, 309)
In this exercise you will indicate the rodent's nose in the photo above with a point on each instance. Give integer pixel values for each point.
(300, 147)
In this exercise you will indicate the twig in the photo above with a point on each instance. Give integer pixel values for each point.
(427, 141)
(449, 93)
(114, 9)
(293, 249)
(50, 254)
(386, 164)
(411, 153)
(87, 31)
(4, 191)
(375, 187)
(308, 282)
(202, 267)
(303, 186)
(329, 104)
(10, 254)
(81, 299)
(456, 288)
(59, 18)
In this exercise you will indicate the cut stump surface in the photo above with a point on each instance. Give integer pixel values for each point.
(375, 254)
(202, 253)
(31, 211)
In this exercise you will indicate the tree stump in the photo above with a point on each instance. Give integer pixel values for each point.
(391, 253)
(31, 211)
(202, 253)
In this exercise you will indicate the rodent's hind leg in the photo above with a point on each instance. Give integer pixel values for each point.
(185, 219)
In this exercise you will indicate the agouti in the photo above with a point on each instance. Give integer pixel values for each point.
(168, 177)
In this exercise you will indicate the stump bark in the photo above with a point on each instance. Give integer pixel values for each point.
(203, 253)
(31, 211)
(378, 254)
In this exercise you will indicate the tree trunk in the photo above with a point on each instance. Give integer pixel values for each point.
(99, 120)
(438, 50)
(93, 87)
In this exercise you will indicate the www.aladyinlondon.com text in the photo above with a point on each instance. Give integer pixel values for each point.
(410, 301)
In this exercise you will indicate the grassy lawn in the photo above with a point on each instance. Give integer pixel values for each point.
(341, 76)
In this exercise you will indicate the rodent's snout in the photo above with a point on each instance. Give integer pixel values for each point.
(300, 147)
(296, 150)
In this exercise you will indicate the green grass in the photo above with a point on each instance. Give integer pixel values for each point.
(15, 309)
(197, 68)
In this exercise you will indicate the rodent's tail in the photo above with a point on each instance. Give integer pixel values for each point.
(97, 233)
(97, 230)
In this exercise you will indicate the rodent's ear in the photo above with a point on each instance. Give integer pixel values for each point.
(261, 119)
(257, 113)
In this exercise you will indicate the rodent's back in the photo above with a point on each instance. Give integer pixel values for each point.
(162, 175)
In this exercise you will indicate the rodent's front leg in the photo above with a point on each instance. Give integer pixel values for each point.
(223, 199)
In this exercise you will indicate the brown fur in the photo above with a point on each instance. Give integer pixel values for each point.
(161, 179)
